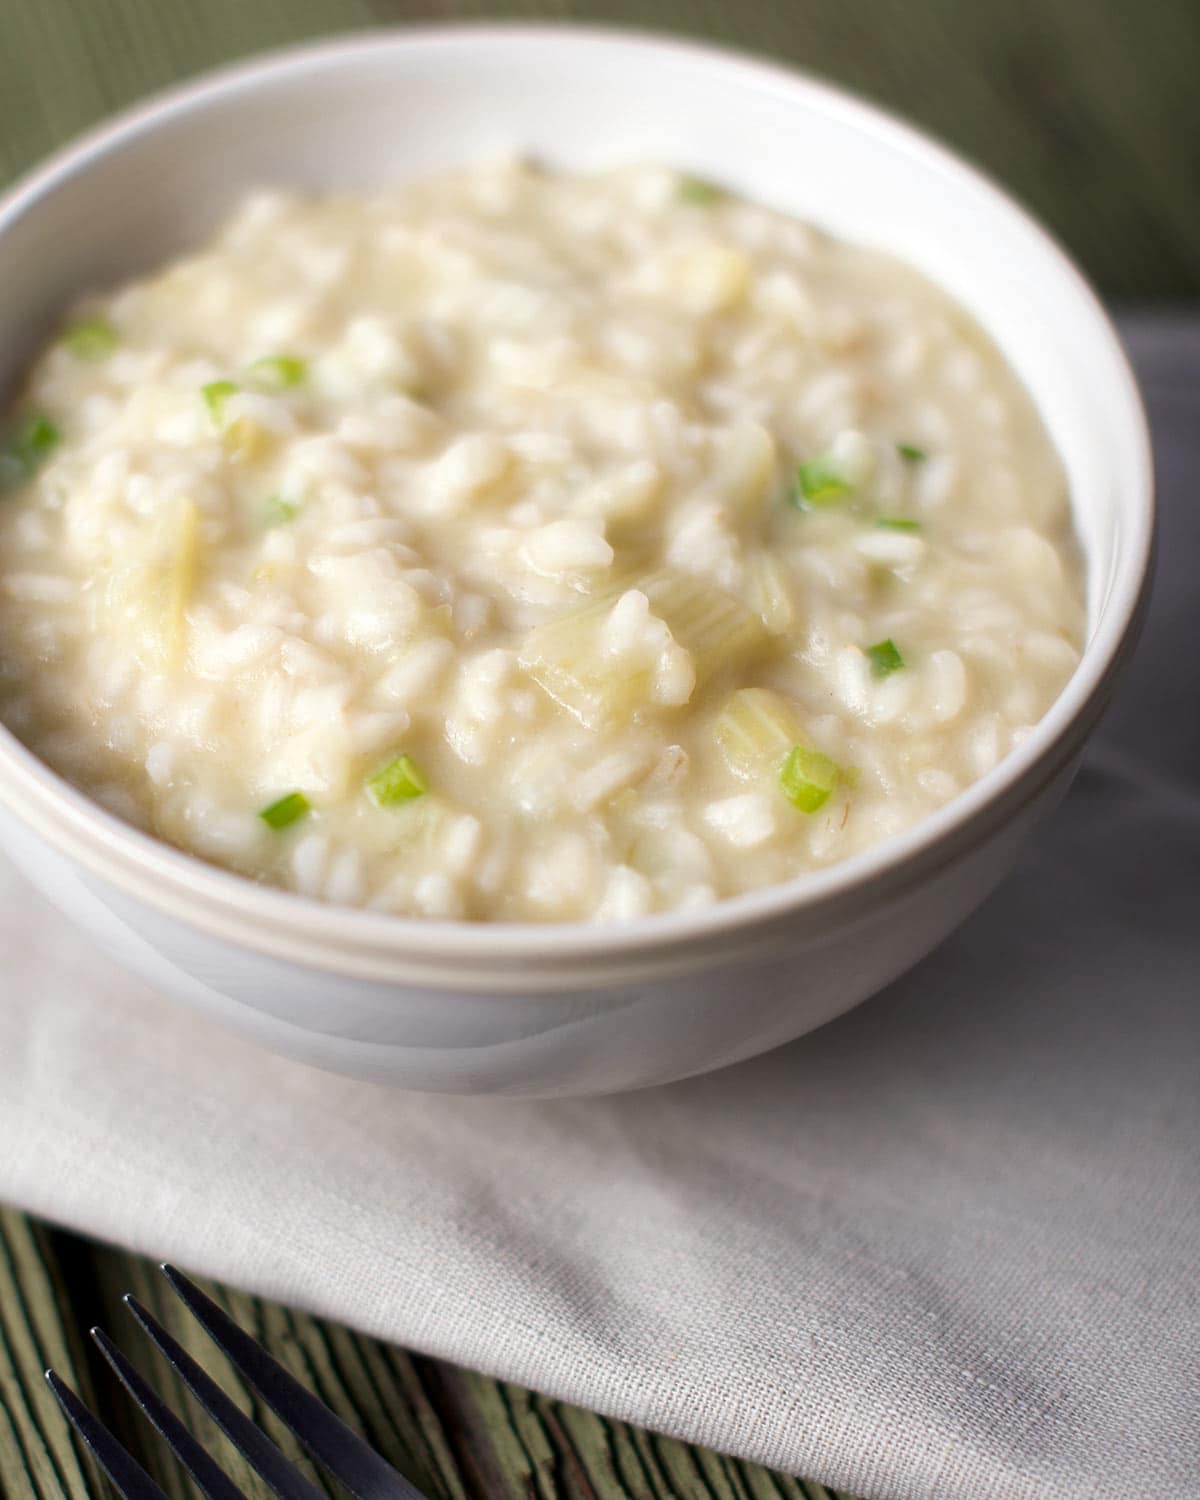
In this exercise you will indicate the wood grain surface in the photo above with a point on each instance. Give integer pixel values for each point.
(457, 1435)
(1088, 109)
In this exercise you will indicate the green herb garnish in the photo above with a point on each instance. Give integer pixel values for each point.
(818, 483)
(278, 511)
(215, 394)
(885, 658)
(91, 338)
(696, 190)
(909, 451)
(280, 372)
(398, 782)
(38, 436)
(24, 450)
(807, 778)
(897, 523)
(286, 811)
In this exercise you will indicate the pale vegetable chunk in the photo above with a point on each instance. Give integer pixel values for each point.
(650, 646)
(609, 661)
(149, 590)
(717, 629)
(756, 730)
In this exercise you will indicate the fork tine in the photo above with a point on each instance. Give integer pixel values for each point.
(255, 1447)
(326, 1436)
(128, 1478)
(211, 1480)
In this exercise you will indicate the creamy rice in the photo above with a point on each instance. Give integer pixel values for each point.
(529, 546)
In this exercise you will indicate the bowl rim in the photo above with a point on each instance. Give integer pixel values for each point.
(495, 956)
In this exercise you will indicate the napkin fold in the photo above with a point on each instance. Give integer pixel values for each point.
(945, 1247)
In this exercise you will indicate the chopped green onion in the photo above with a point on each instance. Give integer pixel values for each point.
(281, 372)
(885, 658)
(23, 451)
(286, 811)
(817, 483)
(897, 523)
(280, 511)
(696, 190)
(215, 394)
(397, 782)
(909, 451)
(38, 436)
(91, 338)
(807, 778)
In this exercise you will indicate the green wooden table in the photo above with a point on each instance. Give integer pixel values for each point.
(1086, 108)
(454, 1433)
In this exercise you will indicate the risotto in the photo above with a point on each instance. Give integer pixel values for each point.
(528, 546)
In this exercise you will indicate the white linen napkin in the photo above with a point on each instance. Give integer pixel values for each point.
(945, 1247)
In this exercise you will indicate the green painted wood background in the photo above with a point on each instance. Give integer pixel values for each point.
(1088, 109)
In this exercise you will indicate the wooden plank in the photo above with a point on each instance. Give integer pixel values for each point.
(38, 1456)
(456, 1434)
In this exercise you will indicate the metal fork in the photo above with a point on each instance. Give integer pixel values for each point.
(327, 1438)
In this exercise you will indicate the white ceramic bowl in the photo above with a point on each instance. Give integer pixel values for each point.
(525, 1009)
